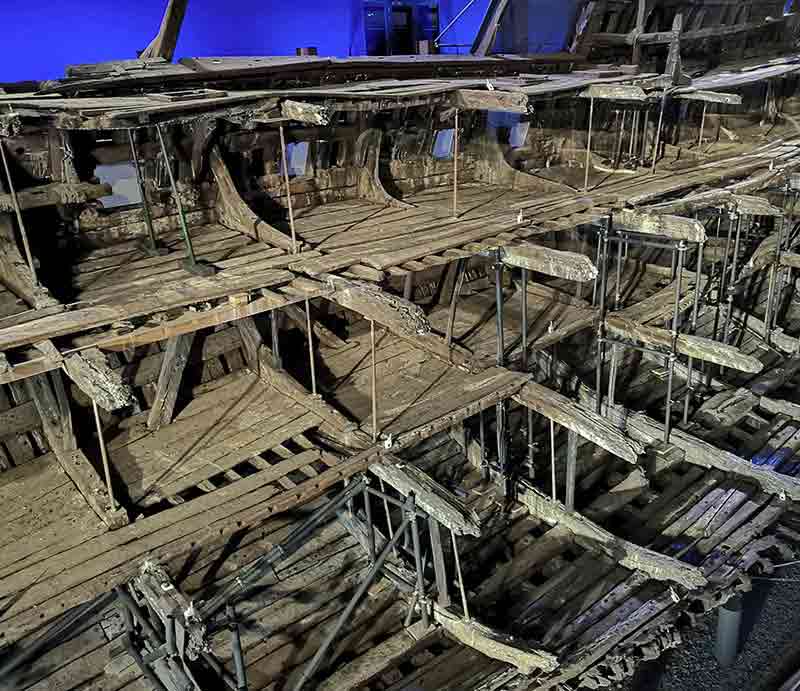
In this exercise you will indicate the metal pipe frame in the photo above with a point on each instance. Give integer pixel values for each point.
(370, 526)
(192, 264)
(104, 455)
(148, 218)
(460, 578)
(455, 166)
(418, 561)
(695, 311)
(681, 251)
(374, 382)
(603, 269)
(289, 203)
(731, 284)
(236, 645)
(346, 613)
(589, 145)
(311, 348)
(657, 141)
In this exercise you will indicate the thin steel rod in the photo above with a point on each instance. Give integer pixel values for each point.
(419, 564)
(657, 142)
(178, 204)
(722, 284)
(311, 349)
(455, 167)
(236, 645)
(554, 493)
(588, 145)
(347, 612)
(681, 251)
(452, 23)
(18, 212)
(524, 320)
(461, 270)
(289, 205)
(620, 136)
(148, 219)
(370, 525)
(702, 125)
(731, 282)
(603, 267)
(104, 454)
(695, 311)
(482, 433)
(643, 153)
(572, 468)
(374, 387)
(612, 376)
(388, 513)
(498, 293)
(461, 588)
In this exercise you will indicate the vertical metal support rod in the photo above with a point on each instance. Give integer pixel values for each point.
(702, 125)
(439, 568)
(236, 644)
(598, 278)
(461, 270)
(731, 282)
(276, 349)
(603, 269)
(347, 612)
(178, 205)
(104, 455)
(18, 212)
(673, 351)
(311, 349)
(482, 433)
(388, 514)
(657, 142)
(370, 525)
(769, 316)
(374, 382)
(620, 137)
(455, 166)
(729, 627)
(643, 153)
(418, 561)
(572, 468)
(695, 310)
(589, 145)
(498, 293)
(461, 587)
(524, 320)
(289, 204)
(553, 489)
(612, 376)
(148, 219)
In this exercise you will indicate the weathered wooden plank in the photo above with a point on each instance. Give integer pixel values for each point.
(559, 263)
(663, 225)
(92, 375)
(655, 565)
(693, 346)
(580, 419)
(176, 356)
(494, 644)
(440, 503)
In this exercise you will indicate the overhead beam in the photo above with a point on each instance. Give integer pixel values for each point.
(661, 225)
(658, 566)
(579, 419)
(691, 346)
(494, 644)
(430, 496)
(54, 193)
(91, 373)
(503, 101)
(552, 262)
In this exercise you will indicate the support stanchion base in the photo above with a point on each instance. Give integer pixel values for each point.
(198, 268)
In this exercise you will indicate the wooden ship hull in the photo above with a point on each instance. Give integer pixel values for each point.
(415, 372)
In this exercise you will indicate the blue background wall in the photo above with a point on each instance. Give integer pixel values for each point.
(40, 41)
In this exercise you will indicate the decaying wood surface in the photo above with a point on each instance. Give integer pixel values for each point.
(658, 566)
(580, 419)
(429, 495)
(663, 225)
(552, 262)
(494, 644)
(693, 346)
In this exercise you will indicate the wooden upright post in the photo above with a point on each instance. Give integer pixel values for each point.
(175, 358)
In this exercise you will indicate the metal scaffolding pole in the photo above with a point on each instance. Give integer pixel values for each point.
(603, 269)
(455, 166)
(374, 382)
(657, 141)
(191, 263)
(612, 384)
(460, 578)
(289, 206)
(18, 212)
(152, 247)
(589, 145)
(681, 251)
(695, 310)
(769, 316)
(104, 455)
(702, 125)
(418, 561)
(311, 349)
(347, 612)
(501, 405)
(730, 284)
(572, 468)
